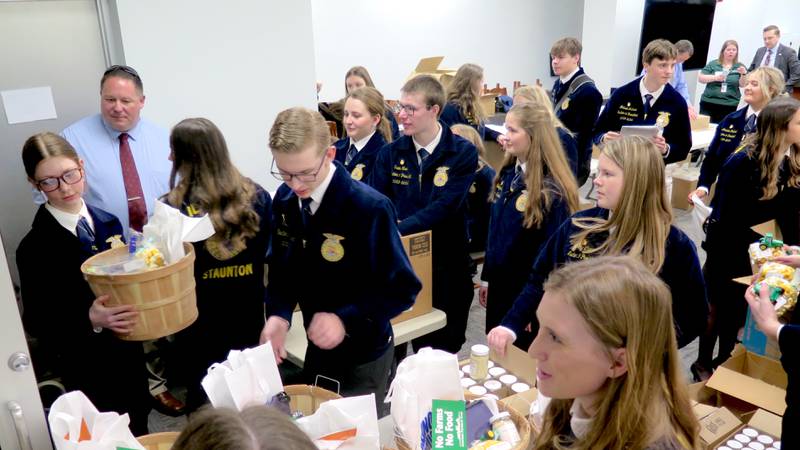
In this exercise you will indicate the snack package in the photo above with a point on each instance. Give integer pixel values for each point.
(767, 249)
(783, 282)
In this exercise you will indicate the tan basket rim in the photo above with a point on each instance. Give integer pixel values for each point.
(312, 391)
(188, 247)
(165, 437)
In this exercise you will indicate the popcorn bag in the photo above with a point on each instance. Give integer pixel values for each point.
(246, 378)
(75, 424)
(345, 424)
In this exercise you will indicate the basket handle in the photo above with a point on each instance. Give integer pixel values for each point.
(338, 385)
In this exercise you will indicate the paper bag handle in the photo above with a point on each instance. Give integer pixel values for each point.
(338, 385)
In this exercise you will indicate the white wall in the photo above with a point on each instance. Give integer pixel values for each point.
(743, 21)
(611, 33)
(236, 63)
(510, 39)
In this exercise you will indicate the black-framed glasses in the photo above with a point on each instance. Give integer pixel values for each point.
(303, 177)
(409, 109)
(51, 184)
(120, 68)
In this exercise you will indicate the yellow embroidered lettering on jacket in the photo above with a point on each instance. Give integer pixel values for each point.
(236, 271)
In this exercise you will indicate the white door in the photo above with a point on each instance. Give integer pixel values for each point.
(22, 421)
(56, 44)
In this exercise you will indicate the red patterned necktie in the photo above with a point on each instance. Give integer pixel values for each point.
(137, 209)
(769, 54)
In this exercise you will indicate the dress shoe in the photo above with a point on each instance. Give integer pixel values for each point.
(699, 372)
(166, 403)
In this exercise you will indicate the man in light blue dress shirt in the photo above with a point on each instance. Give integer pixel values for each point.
(96, 139)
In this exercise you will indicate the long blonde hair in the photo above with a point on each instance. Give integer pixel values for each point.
(537, 94)
(545, 156)
(460, 92)
(766, 144)
(641, 221)
(770, 80)
(373, 101)
(625, 306)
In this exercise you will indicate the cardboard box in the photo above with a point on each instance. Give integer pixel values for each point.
(419, 248)
(717, 426)
(520, 364)
(746, 382)
(430, 66)
(684, 182)
(702, 122)
(768, 227)
(487, 103)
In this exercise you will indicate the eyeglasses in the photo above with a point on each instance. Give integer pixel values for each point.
(303, 177)
(120, 68)
(51, 184)
(410, 110)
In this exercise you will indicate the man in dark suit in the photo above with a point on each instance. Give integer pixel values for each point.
(779, 56)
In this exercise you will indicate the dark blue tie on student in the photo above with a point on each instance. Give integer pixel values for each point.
(306, 212)
(518, 183)
(85, 234)
(423, 154)
(351, 153)
(647, 99)
(750, 125)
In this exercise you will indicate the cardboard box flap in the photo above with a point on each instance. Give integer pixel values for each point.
(521, 402)
(751, 378)
(518, 363)
(767, 422)
(702, 410)
(430, 64)
(718, 425)
(768, 227)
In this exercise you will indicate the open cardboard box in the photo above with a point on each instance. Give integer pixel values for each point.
(519, 364)
(747, 382)
(721, 425)
(430, 66)
(419, 248)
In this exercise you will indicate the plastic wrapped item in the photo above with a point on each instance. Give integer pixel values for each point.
(783, 282)
(767, 249)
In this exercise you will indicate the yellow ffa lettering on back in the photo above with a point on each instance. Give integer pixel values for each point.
(440, 178)
(235, 271)
(332, 249)
(193, 211)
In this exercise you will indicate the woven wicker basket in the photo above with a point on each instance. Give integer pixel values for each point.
(522, 424)
(158, 441)
(165, 297)
(306, 399)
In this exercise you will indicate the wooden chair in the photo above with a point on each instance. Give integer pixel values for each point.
(332, 128)
(497, 90)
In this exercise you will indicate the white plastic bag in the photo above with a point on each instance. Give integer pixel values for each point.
(429, 374)
(107, 430)
(171, 228)
(701, 211)
(340, 415)
(247, 377)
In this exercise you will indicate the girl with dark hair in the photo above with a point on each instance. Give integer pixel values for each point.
(229, 266)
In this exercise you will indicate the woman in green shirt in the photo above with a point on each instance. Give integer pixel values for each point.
(722, 77)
